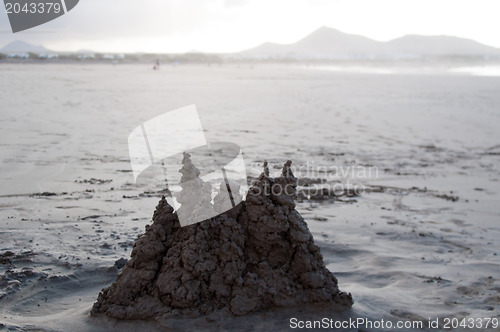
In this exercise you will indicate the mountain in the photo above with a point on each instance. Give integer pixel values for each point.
(438, 45)
(328, 42)
(19, 46)
(322, 42)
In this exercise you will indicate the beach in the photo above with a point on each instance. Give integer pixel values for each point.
(417, 241)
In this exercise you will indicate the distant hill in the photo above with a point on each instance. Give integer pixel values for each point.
(328, 42)
(19, 46)
(438, 45)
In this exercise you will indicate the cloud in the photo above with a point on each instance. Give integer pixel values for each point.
(99, 20)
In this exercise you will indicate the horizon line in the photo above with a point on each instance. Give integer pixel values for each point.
(245, 49)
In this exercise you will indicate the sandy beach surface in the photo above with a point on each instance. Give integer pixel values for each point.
(419, 242)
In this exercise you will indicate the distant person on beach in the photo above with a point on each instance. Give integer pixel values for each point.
(157, 65)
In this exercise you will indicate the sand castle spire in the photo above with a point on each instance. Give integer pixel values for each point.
(266, 169)
(195, 196)
(287, 176)
(287, 171)
(189, 171)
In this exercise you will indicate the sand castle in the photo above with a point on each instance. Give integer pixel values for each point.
(259, 254)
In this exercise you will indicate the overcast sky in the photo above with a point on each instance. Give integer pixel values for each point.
(234, 25)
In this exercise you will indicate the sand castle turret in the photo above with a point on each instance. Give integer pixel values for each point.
(196, 195)
(259, 255)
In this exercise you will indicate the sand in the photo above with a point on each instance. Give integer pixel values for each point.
(419, 242)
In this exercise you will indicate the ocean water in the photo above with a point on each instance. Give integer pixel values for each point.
(478, 70)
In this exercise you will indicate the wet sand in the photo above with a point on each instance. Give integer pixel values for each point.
(420, 241)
